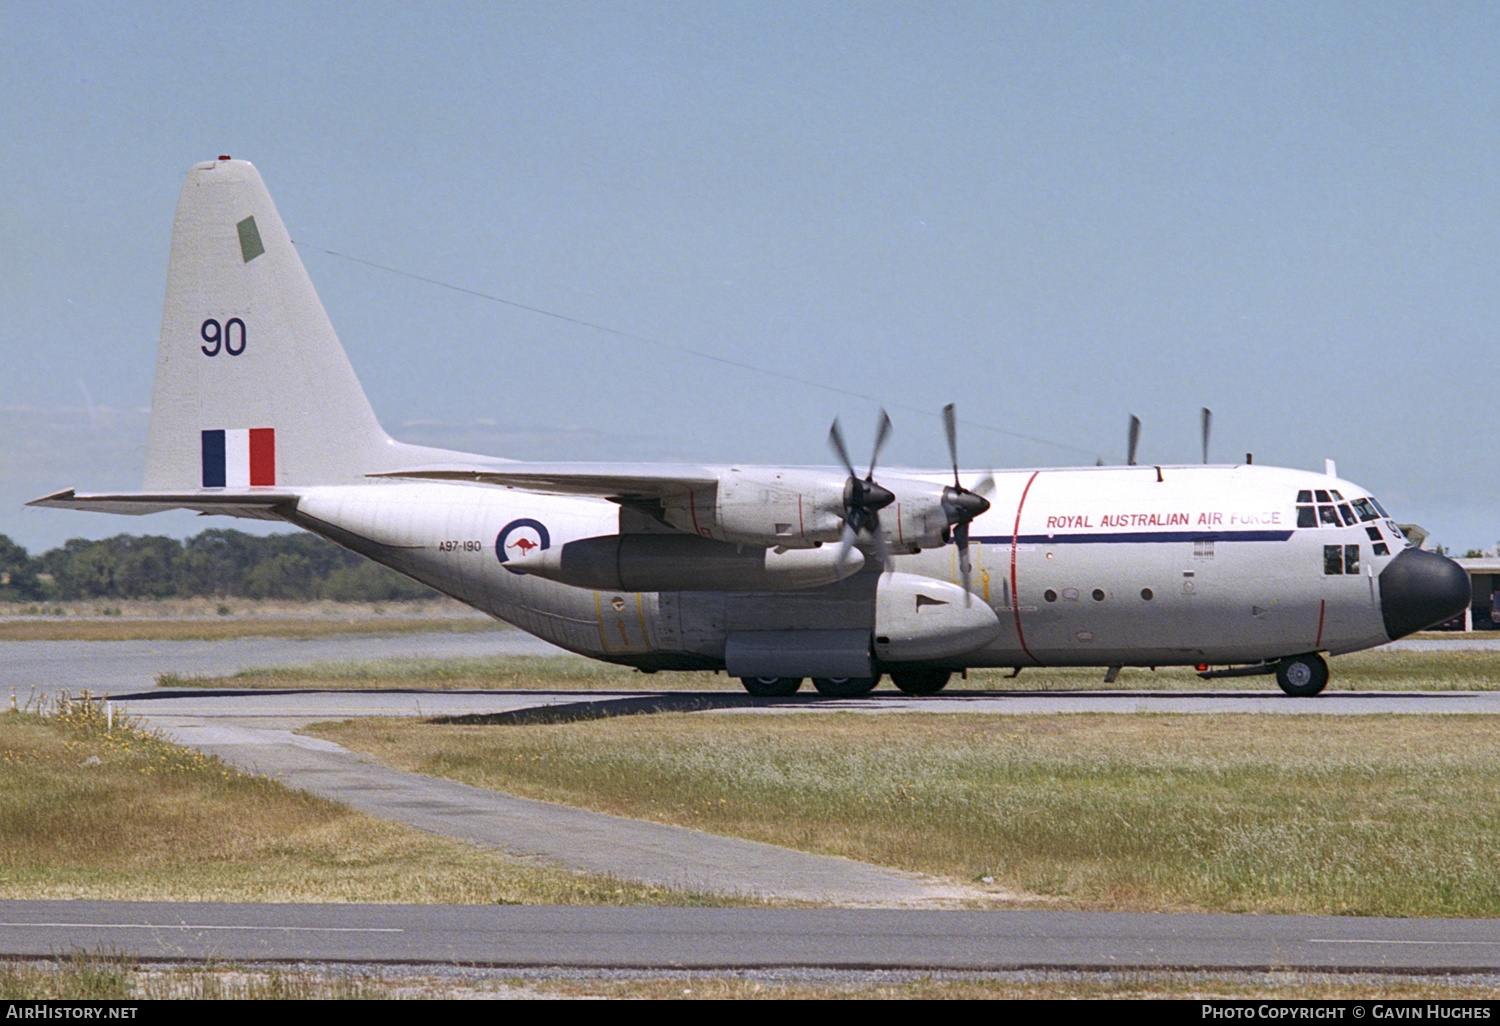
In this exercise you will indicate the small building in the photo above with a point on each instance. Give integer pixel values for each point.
(1484, 587)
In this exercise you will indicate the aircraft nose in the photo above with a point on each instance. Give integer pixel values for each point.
(1419, 589)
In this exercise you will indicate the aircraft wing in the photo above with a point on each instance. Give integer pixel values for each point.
(265, 505)
(620, 482)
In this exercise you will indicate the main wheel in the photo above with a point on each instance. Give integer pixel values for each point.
(1302, 676)
(845, 687)
(771, 687)
(920, 680)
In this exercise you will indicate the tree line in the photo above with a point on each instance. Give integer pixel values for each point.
(215, 564)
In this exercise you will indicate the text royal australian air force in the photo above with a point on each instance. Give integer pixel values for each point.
(1164, 519)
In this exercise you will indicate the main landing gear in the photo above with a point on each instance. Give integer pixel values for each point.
(845, 687)
(920, 680)
(771, 687)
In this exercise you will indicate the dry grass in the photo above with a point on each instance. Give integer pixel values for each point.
(1391, 816)
(497, 673)
(214, 620)
(86, 812)
(113, 977)
(1035, 986)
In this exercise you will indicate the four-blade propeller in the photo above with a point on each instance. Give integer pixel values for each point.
(863, 499)
(960, 504)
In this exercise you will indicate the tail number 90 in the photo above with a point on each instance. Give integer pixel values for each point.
(228, 337)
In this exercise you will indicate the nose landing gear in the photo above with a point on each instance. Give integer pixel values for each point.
(1302, 676)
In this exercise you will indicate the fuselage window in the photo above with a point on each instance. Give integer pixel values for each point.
(1098, 594)
(1340, 559)
(1374, 533)
(1050, 595)
(1147, 594)
(1382, 549)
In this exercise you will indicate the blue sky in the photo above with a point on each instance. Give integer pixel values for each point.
(1054, 215)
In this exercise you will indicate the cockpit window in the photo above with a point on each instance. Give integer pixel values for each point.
(1327, 508)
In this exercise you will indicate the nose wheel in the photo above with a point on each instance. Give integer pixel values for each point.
(1302, 676)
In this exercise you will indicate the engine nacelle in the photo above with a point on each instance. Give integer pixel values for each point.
(793, 509)
(764, 506)
(916, 520)
(680, 562)
(918, 618)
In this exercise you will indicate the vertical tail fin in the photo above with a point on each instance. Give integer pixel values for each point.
(252, 385)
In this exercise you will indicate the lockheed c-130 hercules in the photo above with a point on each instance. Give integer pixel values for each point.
(775, 574)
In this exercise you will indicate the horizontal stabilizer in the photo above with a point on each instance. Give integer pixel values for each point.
(253, 506)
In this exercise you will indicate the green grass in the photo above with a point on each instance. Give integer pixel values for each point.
(1392, 816)
(1455, 670)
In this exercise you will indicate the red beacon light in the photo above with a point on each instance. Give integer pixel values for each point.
(224, 156)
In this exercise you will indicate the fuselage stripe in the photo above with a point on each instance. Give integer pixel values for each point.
(1134, 537)
(1015, 593)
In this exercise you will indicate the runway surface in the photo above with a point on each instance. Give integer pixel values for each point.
(699, 938)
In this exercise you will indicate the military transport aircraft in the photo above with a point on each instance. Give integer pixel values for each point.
(775, 574)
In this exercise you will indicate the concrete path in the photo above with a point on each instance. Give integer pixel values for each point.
(665, 856)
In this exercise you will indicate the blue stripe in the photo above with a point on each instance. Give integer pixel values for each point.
(1138, 537)
(213, 459)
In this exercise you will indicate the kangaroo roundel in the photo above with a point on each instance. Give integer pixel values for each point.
(520, 538)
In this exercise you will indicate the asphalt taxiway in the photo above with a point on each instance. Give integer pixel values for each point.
(745, 938)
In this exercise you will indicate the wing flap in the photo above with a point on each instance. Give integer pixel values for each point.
(621, 482)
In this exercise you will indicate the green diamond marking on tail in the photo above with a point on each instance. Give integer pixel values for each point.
(250, 244)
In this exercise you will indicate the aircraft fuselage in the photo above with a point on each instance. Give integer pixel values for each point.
(1102, 566)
